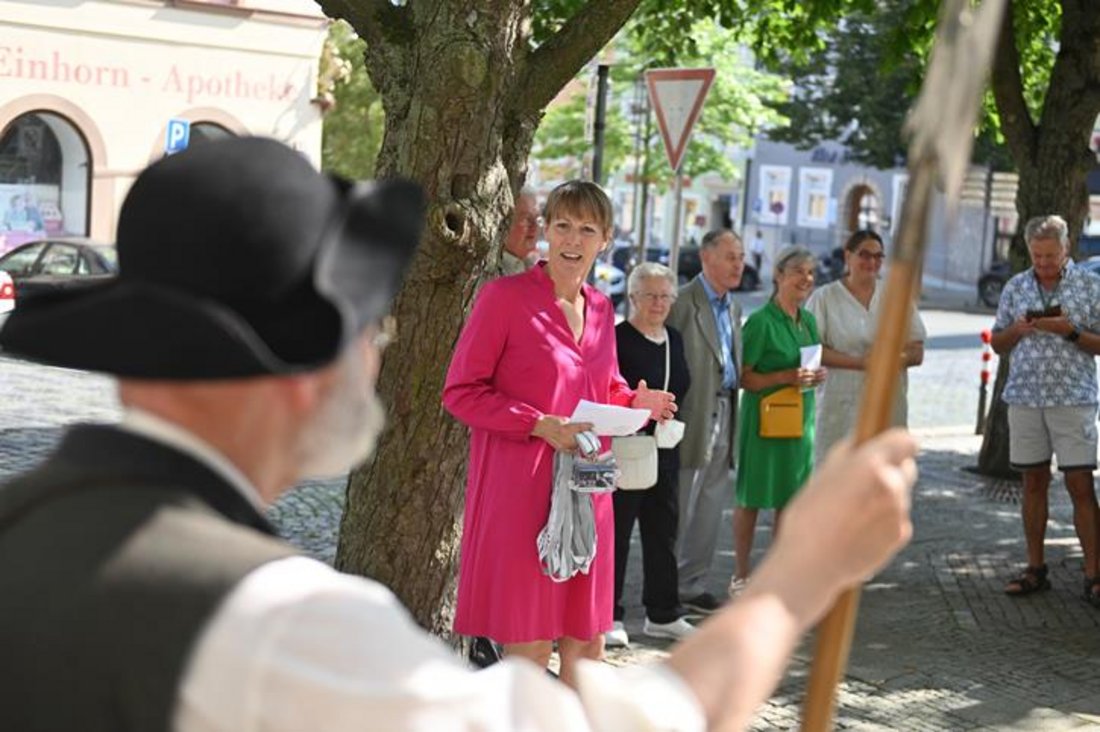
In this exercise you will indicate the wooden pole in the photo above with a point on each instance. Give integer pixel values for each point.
(834, 636)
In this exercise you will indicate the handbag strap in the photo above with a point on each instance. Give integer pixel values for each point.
(668, 356)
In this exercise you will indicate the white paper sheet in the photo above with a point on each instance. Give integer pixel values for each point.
(610, 420)
(811, 356)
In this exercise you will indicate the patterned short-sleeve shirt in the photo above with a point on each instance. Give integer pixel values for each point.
(1046, 370)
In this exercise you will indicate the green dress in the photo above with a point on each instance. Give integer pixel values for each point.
(770, 470)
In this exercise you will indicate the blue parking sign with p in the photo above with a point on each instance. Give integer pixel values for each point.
(176, 136)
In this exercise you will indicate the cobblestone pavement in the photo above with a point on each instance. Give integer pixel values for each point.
(938, 646)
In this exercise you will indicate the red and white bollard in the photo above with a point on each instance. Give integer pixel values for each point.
(987, 357)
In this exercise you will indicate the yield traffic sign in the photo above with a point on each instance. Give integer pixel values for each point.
(677, 95)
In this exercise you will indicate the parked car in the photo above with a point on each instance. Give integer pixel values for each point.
(1088, 245)
(829, 267)
(7, 296)
(992, 282)
(52, 264)
(624, 257)
(611, 281)
(1092, 264)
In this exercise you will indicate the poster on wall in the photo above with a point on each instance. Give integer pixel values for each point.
(28, 212)
(775, 194)
(814, 186)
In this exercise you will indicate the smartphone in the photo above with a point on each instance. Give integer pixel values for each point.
(1054, 311)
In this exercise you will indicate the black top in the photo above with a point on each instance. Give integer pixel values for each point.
(641, 358)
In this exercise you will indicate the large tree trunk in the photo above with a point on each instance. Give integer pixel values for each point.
(463, 94)
(1053, 157)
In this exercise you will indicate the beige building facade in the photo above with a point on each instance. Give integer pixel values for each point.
(87, 89)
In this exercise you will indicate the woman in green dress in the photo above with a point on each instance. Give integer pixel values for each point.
(772, 469)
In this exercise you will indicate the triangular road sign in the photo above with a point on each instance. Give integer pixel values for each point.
(677, 95)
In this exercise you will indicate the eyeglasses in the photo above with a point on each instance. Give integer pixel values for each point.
(867, 256)
(656, 297)
(386, 335)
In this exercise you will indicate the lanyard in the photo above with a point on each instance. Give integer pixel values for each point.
(1051, 299)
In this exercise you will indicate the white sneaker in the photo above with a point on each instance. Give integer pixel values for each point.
(737, 586)
(676, 630)
(616, 637)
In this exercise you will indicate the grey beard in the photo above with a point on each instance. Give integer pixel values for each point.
(346, 428)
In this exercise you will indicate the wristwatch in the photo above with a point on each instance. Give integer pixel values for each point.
(1073, 335)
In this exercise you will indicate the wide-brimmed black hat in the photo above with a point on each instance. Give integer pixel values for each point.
(236, 258)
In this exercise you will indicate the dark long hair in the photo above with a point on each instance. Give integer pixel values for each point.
(860, 236)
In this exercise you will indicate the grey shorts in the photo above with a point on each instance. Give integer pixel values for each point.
(1036, 433)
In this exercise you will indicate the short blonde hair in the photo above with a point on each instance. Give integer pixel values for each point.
(581, 198)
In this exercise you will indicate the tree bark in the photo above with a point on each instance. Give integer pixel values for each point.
(1052, 156)
(454, 78)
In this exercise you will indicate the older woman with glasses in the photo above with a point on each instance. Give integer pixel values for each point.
(847, 313)
(771, 469)
(652, 353)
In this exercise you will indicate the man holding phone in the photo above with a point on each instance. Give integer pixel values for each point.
(1049, 321)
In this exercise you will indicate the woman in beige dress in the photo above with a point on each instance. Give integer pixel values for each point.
(847, 312)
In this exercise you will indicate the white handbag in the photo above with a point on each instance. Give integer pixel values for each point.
(636, 456)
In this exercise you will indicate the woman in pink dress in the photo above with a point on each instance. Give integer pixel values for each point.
(534, 345)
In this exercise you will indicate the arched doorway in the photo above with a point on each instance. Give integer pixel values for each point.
(45, 179)
(862, 207)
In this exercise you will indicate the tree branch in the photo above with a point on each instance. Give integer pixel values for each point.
(1008, 92)
(555, 62)
(367, 17)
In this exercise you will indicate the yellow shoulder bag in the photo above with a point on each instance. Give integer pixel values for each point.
(781, 413)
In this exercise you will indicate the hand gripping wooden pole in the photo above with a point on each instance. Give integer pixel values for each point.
(941, 129)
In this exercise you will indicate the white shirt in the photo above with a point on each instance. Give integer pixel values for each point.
(298, 646)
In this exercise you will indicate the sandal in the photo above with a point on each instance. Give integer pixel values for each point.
(1092, 591)
(1032, 579)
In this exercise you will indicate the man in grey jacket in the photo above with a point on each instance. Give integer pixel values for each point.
(709, 319)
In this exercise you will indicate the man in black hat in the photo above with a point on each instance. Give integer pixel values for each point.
(140, 586)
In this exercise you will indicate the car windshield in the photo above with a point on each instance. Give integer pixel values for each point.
(110, 256)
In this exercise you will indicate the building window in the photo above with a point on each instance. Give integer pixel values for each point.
(44, 179)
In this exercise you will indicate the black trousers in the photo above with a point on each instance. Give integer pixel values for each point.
(657, 512)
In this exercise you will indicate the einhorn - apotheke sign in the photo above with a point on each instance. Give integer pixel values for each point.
(192, 75)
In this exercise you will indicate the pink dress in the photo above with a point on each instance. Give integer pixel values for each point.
(516, 360)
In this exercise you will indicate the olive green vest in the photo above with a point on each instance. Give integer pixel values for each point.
(113, 555)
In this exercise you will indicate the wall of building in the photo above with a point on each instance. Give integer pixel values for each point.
(817, 197)
(105, 77)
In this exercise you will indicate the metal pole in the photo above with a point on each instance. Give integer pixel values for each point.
(601, 122)
(677, 228)
(745, 195)
(643, 227)
(985, 233)
(987, 356)
(636, 115)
